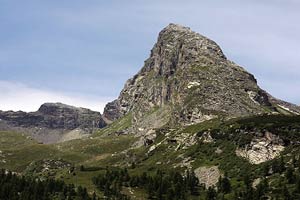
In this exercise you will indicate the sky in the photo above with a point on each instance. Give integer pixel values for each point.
(82, 52)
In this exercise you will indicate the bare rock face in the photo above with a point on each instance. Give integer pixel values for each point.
(209, 176)
(112, 111)
(55, 116)
(262, 149)
(52, 121)
(189, 77)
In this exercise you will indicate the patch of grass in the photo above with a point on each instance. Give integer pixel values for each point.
(209, 124)
(19, 158)
(81, 178)
(97, 145)
(117, 126)
(10, 140)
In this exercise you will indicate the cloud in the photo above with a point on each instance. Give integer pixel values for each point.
(17, 96)
(85, 48)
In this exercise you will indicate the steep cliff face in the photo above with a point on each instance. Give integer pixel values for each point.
(55, 116)
(188, 79)
(53, 122)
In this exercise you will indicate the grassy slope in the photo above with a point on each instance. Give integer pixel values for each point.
(18, 151)
(103, 149)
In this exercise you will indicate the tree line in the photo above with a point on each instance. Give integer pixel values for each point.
(15, 187)
(280, 180)
(170, 185)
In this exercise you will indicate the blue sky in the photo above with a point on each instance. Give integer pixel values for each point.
(82, 52)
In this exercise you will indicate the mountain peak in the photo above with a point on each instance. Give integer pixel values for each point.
(177, 27)
(174, 38)
(187, 79)
(59, 106)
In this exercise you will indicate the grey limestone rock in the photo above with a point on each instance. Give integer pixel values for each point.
(55, 116)
(53, 122)
(189, 77)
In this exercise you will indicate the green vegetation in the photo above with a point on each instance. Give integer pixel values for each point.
(165, 185)
(160, 185)
(117, 126)
(14, 187)
(11, 139)
(88, 162)
(18, 151)
(21, 154)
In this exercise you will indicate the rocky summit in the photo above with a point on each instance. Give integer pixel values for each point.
(187, 79)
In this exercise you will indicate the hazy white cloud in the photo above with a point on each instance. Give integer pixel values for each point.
(17, 96)
(85, 47)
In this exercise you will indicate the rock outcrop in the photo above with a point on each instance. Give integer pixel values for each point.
(52, 121)
(55, 116)
(209, 176)
(286, 106)
(262, 149)
(187, 79)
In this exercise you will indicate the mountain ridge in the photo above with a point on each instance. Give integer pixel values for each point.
(188, 77)
(51, 121)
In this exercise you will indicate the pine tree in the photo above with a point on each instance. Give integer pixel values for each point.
(211, 194)
(224, 185)
(290, 175)
(281, 165)
(247, 180)
(294, 161)
(170, 194)
(297, 186)
(192, 181)
(261, 189)
(286, 194)
(81, 168)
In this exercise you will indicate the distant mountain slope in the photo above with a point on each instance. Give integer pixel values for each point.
(52, 121)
